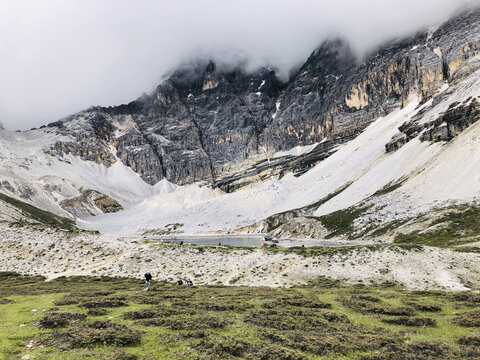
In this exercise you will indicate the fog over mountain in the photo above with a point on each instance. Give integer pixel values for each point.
(58, 57)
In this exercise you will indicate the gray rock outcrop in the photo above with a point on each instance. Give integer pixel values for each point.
(220, 125)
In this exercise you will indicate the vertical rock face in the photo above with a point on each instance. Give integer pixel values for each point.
(219, 113)
(457, 118)
(204, 121)
(89, 133)
(195, 125)
(304, 115)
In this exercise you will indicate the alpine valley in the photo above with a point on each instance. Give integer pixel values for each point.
(381, 153)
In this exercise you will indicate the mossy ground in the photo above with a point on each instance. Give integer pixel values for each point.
(458, 226)
(275, 221)
(341, 222)
(323, 320)
(334, 250)
(41, 216)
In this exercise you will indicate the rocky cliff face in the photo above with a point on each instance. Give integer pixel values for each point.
(457, 118)
(210, 124)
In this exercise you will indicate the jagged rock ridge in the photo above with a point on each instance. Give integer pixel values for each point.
(210, 124)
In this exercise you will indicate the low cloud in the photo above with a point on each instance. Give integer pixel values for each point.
(58, 57)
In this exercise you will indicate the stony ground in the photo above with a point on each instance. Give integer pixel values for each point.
(54, 253)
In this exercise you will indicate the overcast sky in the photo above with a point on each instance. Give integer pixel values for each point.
(61, 56)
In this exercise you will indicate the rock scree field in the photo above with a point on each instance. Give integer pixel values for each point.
(46, 251)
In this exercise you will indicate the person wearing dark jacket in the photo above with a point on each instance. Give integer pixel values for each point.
(148, 277)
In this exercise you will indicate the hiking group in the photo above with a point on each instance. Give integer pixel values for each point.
(148, 279)
(185, 282)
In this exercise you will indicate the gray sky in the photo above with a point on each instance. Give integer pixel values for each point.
(61, 56)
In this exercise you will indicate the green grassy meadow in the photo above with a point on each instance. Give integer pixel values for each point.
(114, 318)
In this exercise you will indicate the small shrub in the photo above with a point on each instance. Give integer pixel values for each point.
(186, 322)
(97, 312)
(470, 352)
(60, 319)
(234, 347)
(155, 312)
(427, 308)
(227, 347)
(468, 319)
(107, 302)
(410, 321)
(365, 307)
(68, 300)
(368, 298)
(122, 355)
(469, 340)
(339, 339)
(196, 334)
(295, 319)
(297, 302)
(419, 350)
(273, 352)
(225, 306)
(6, 301)
(98, 332)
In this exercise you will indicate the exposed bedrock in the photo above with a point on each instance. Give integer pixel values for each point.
(90, 202)
(456, 119)
(209, 124)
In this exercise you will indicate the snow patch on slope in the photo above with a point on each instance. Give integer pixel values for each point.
(296, 151)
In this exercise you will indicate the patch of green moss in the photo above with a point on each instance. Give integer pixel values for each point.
(275, 221)
(384, 229)
(390, 187)
(333, 250)
(341, 222)
(312, 207)
(461, 225)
